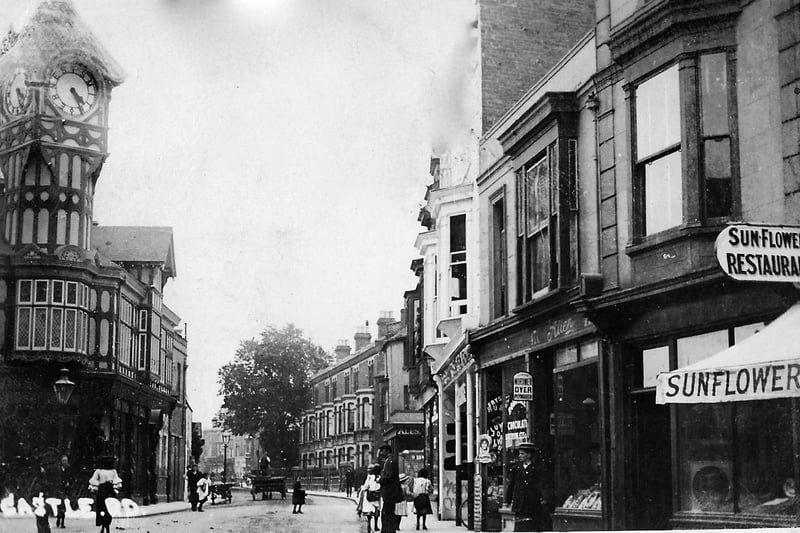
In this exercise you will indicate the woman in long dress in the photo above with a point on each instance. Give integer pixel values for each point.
(105, 482)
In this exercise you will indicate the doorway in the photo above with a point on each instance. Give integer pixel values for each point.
(650, 504)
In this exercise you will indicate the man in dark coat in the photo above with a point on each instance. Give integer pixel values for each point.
(191, 481)
(524, 492)
(391, 490)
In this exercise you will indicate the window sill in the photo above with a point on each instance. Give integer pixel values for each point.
(669, 236)
(537, 299)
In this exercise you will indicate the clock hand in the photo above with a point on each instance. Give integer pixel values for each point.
(78, 98)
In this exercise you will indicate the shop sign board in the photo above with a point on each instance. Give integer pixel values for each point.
(457, 363)
(559, 329)
(523, 387)
(750, 252)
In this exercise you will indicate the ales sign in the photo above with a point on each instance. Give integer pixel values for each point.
(760, 253)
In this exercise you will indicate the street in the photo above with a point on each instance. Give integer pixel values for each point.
(333, 515)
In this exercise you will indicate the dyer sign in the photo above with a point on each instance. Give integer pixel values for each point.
(523, 387)
(760, 253)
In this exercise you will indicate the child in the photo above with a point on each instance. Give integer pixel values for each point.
(422, 500)
(369, 500)
(401, 508)
(298, 497)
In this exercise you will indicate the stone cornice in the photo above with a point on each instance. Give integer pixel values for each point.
(537, 118)
(663, 20)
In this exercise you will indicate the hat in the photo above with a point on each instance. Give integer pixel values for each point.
(528, 447)
(403, 477)
(385, 446)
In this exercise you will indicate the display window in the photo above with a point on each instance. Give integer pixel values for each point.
(575, 424)
(494, 470)
(733, 457)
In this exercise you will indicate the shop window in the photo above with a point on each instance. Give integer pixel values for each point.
(546, 216)
(736, 457)
(664, 195)
(576, 426)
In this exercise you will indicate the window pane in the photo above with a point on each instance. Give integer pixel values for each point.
(24, 327)
(698, 347)
(25, 291)
(538, 185)
(40, 327)
(706, 451)
(714, 94)
(540, 264)
(658, 118)
(654, 360)
(458, 233)
(764, 446)
(663, 193)
(717, 167)
(69, 329)
(55, 328)
(41, 291)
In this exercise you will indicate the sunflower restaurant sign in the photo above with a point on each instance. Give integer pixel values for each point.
(759, 252)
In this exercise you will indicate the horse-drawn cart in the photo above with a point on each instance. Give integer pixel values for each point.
(261, 482)
(221, 491)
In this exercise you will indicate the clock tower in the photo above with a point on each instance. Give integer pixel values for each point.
(56, 81)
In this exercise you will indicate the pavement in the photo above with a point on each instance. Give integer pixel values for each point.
(242, 496)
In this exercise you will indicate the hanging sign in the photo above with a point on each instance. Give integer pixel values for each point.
(523, 386)
(760, 253)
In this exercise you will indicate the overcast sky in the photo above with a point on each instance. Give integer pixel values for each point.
(287, 143)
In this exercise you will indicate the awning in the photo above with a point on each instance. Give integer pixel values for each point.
(763, 366)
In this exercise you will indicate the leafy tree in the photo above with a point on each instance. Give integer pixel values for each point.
(266, 388)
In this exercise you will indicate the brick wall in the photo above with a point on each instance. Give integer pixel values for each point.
(521, 40)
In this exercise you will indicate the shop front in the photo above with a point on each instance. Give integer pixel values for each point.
(674, 455)
(539, 383)
(738, 420)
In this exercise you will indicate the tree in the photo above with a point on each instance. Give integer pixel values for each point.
(266, 388)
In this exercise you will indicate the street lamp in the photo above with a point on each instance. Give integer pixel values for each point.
(226, 438)
(63, 388)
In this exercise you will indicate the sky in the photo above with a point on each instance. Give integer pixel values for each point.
(287, 143)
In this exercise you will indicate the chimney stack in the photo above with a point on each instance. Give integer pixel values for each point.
(362, 336)
(383, 324)
(342, 349)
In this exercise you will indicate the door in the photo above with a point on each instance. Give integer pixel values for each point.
(650, 500)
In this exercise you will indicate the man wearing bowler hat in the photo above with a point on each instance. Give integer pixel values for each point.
(391, 490)
(524, 493)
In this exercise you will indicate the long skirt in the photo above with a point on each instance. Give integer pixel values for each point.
(422, 504)
(101, 515)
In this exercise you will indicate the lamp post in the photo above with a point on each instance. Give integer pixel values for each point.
(63, 388)
(226, 438)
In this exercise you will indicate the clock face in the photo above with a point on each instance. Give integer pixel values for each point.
(17, 96)
(73, 89)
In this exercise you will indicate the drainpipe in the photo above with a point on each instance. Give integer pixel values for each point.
(440, 458)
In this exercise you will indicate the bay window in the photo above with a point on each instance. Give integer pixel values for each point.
(51, 316)
(684, 119)
(547, 221)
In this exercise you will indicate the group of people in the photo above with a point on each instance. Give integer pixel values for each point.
(104, 483)
(386, 492)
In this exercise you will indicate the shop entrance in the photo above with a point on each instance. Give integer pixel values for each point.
(651, 507)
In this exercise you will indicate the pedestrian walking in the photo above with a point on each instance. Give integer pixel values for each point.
(64, 488)
(203, 489)
(524, 492)
(42, 513)
(105, 482)
(192, 476)
(369, 498)
(298, 497)
(421, 492)
(391, 491)
(348, 482)
(401, 507)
